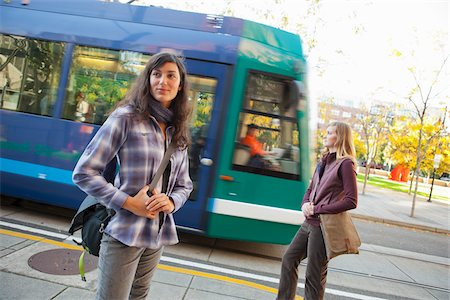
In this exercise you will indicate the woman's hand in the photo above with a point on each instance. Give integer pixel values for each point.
(308, 209)
(159, 202)
(137, 205)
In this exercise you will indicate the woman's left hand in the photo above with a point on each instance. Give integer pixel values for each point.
(308, 209)
(159, 202)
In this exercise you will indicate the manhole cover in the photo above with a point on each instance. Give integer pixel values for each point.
(61, 262)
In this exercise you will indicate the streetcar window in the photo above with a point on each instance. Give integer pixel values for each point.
(267, 140)
(29, 74)
(98, 79)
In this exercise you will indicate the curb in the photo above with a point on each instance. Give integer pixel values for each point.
(405, 254)
(401, 224)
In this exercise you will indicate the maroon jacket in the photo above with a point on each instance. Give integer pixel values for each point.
(333, 188)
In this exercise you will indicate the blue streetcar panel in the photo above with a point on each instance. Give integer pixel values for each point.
(142, 29)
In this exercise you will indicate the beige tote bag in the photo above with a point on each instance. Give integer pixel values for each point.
(339, 234)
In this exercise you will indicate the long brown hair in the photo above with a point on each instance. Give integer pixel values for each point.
(139, 94)
(344, 141)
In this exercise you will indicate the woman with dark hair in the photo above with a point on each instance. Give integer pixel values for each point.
(337, 192)
(153, 114)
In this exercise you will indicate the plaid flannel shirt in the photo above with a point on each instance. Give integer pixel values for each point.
(139, 147)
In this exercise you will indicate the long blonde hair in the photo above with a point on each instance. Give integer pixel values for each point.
(344, 142)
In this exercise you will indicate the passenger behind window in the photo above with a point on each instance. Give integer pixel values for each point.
(257, 152)
(84, 109)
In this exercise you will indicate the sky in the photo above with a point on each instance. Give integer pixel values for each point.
(373, 64)
(364, 48)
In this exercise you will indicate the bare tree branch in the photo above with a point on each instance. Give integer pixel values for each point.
(415, 106)
(436, 77)
(418, 86)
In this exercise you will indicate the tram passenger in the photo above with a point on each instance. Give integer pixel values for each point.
(154, 112)
(257, 152)
(84, 110)
(337, 175)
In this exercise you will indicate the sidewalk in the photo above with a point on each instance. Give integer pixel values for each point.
(191, 271)
(392, 207)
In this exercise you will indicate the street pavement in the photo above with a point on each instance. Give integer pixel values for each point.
(387, 206)
(194, 272)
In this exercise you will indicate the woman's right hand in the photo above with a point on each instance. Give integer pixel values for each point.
(137, 206)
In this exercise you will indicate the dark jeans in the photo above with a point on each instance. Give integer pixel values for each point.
(308, 242)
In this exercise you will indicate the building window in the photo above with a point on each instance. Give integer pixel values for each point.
(346, 114)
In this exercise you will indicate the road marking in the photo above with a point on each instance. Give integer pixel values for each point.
(181, 262)
(39, 239)
(259, 277)
(221, 278)
(160, 266)
(34, 230)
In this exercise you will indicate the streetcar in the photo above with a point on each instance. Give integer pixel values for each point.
(63, 65)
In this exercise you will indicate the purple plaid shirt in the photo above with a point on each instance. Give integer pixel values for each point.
(139, 147)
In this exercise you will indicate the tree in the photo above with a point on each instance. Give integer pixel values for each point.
(421, 97)
(324, 114)
(434, 135)
(374, 123)
(403, 140)
(443, 148)
(360, 146)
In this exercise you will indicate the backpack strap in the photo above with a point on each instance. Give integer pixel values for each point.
(81, 265)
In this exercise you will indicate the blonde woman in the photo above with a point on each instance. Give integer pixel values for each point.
(337, 192)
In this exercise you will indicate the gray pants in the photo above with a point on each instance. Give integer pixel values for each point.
(125, 272)
(308, 242)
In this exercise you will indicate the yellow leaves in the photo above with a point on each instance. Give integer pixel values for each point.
(360, 145)
(206, 109)
(396, 52)
(91, 97)
(123, 91)
(412, 69)
(404, 140)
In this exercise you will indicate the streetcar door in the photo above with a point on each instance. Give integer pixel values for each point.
(207, 81)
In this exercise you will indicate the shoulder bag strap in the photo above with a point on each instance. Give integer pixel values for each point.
(170, 150)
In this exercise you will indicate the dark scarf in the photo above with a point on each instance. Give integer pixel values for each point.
(160, 113)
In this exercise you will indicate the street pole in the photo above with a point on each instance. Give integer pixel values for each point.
(436, 161)
(432, 183)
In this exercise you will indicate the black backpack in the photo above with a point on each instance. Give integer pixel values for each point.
(92, 218)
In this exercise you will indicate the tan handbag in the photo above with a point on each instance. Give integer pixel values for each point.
(339, 234)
